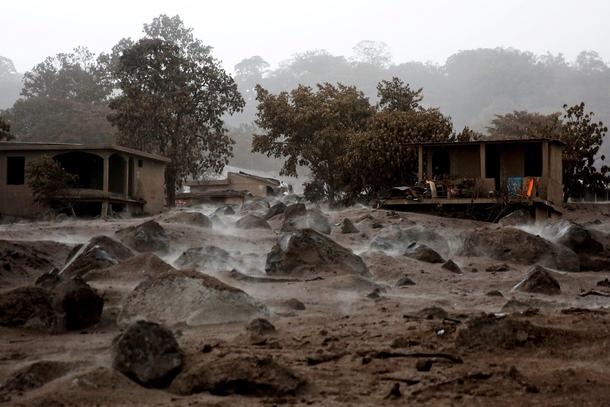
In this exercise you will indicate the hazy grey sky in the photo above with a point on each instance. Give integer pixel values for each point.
(429, 30)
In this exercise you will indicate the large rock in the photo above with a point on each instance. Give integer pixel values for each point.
(518, 246)
(259, 205)
(396, 241)
(81, 305)
(190, 218)
(148, 354)
(252, 222)
(100, 252)
(28, 307)
(22, 262)
(517, 218)
(245, 375)
(224, 210)
(204, 258)
(309, 252)
(348, 227)
(423, 253)
(294, 210)
(312, 219)
(573, 236)
(188, 297)
(540, 281)
(146, 237)
(277, 209)
(34, 376)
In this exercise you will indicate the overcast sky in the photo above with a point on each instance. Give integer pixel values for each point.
(429, 30)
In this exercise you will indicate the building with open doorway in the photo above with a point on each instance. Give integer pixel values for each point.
(526, 172)
(110, 179)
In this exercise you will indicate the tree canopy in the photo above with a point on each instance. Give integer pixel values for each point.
(5, 130)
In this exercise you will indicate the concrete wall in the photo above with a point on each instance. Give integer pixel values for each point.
(149, 184)
(16, 200)
(465, 162)
(244, 183)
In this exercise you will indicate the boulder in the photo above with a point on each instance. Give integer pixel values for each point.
(294, 211)
(28, 307)
(99, 253)
(260, 327)
(259, 205)
(294, 304)
(540, 281)
(277, 209)
(188, 297)
(217, 221)
(452, 267)
(245, 375)
(518, 246)
(348, 227)
(312, 219)
(517, 218)
(573, 236)
(309, 252)
(423, 253)
(204, 258)
(148, 354)
(146, 237)
(34, 376)
(81, 305)
(252, 222)
(22, 262)
(404, 281)
(394, 240)
(224, 210)
(190, 218)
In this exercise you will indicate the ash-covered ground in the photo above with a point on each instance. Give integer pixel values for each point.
(290, 304)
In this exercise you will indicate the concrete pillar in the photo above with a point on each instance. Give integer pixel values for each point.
(105, 204)
(126, 177)
(482, 155)
(545, 159)
(420, 163)
(429, 163)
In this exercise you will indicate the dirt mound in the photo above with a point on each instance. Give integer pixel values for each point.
(518, 246)
(146, 237)
(204, 258)
(28, 307)
(81, 305)
(277, 209)
(252, 222)
(246, 375)
(309, 252)
(394, 240)
(423, 253)
(188, 297)
(348, 227)
(34, 376)
(190, 218)
(100, 252)
(540, 281)
(148, 354)
(312, 219)
(25, 261)
(491, 332)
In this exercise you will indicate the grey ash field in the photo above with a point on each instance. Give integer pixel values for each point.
(292, 310)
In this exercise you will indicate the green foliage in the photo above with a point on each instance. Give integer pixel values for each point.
(5, 130)
(583, 138)
(395, 96)
(46, 177)
(173, 98)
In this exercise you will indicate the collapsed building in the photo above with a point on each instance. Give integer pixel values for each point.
(523, 172)
(231, 190)
(110, 178)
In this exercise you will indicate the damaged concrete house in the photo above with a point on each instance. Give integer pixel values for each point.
(526, 172)
(111, 178)
(231, 190)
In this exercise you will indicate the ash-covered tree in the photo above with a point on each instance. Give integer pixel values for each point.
(46, 178)
(5, 130)
(583, 138)
(381, 156)
(64, 98)
(173, 98)
(525, 125)
(373, 53)
(311, 127)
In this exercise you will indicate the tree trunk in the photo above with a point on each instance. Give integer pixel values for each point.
(170, 185)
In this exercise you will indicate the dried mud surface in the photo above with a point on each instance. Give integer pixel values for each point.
(449, 339)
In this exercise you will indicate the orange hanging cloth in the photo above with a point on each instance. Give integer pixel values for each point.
(530, 188)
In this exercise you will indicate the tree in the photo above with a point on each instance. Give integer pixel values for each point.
(396, 96)
(583, 138)
(173, 98)
(311, 128)
(5, 130)
(524, 125)
(467, 134)
(372, 52)
(46, 178)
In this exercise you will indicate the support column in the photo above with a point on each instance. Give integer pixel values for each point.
(545, 159)
(483, 158)
(429, 163)
(420, 163)
(106, 177)
(126, 178)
